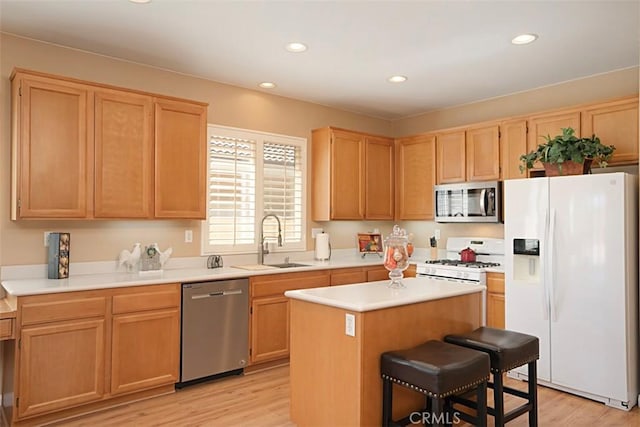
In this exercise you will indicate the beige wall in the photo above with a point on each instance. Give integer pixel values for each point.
(22, 241)
(595, 88)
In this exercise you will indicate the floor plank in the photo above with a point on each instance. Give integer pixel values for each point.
(262, 399)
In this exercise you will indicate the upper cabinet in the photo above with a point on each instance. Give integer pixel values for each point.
(483, 153)
(415, 177)
(51, 164)
(180, 160)
(352, 176)
(123, 155)
(451, 155)
(513, 144)
(84, 150)
(550, 124)
(615, 123)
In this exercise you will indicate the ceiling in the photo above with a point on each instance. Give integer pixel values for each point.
(453, 52)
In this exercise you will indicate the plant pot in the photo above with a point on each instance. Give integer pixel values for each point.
(565, 168)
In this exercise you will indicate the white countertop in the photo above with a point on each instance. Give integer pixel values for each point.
(376, 295)
(83, 282)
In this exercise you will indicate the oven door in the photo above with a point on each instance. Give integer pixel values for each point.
(464, 281)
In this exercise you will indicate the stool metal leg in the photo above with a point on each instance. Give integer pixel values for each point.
(387, 401)
(481, 413)
(438, 413)
(533, 394)
(498, 399)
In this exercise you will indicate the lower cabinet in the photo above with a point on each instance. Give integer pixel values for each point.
(269, 334)
(61, 365)
(78, 348)
(495, 300)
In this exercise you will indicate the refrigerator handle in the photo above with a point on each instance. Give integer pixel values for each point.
(545, 278)
(552, 235)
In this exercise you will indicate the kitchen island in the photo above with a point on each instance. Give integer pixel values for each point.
(338, 334)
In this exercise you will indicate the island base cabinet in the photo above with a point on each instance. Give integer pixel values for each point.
(335, 378)
(61, 366)
(144, 353)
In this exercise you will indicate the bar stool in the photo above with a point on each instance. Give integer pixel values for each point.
(437, 370)
(507, 350)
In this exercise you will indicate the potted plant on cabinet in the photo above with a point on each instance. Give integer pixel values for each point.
(566, 154)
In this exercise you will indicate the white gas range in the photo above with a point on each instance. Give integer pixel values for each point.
(489, 253)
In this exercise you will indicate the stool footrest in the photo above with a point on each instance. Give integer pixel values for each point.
(517, 412)
(513, 391)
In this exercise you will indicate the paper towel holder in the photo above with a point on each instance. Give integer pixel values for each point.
(322, 250)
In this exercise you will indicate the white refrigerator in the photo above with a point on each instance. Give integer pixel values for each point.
(571, 279)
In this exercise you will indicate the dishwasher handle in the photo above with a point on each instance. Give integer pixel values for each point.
(218, 294)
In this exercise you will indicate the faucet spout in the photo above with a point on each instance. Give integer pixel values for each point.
(261, 247)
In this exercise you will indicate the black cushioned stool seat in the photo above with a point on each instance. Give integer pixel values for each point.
(507, 350)
(438, 370)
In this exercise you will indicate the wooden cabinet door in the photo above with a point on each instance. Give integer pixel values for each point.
(513, 144)
(61, 365)
(379, 179)
(180, 160)
(416, 176)
(145, 350)
(269, 328)
(347, 177)
(377, 273)
(123, 155)
(483, 153)
(451, 157)
(345, 276)
(50, 144)
(615, 123)
(495, 300)
(550, 125)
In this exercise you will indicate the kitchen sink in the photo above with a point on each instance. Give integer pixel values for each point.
(288, 265)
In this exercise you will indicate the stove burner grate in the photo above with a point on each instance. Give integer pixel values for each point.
(458, 263)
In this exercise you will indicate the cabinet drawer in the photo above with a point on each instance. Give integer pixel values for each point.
(52, 308)
(377, 273)
(345, 276)
(6, 329)
(166, 297)
(277, 284)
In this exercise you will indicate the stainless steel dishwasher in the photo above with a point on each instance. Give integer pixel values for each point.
(215, 329)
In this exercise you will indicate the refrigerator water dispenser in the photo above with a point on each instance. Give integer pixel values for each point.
(526, 260)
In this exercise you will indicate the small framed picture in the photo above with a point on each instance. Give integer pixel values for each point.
(370, 243)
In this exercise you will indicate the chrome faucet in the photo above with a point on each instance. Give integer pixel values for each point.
(262, 250)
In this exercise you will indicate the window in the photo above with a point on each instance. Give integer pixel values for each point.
(252, 174)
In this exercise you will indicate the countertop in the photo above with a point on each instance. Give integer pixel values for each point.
(83, 282)
(370, 296)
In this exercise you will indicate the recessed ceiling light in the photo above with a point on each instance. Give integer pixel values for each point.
(140, 1)
(524, 39)
(296, 47)
(397, 79)
(267, 85)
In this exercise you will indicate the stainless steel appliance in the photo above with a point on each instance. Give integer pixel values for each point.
(215, 329)
(489, 253)
(468, 202)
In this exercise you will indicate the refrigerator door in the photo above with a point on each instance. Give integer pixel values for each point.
(588, 288)
(526, 298)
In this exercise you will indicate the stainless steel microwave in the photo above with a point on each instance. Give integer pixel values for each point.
(468, 202)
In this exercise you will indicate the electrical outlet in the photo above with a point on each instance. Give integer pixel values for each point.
(437, 234)
(315, 231)
(350, 324)
(188, 236)
(46, 238)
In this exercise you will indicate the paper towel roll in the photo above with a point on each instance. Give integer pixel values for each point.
(323, 247)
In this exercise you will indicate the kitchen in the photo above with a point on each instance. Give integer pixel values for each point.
(22, 240)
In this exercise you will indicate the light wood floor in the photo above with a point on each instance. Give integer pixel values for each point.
(262, 399)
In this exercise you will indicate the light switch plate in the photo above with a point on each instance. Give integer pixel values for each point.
(436, 234)
(188, 236)
(350, 324)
